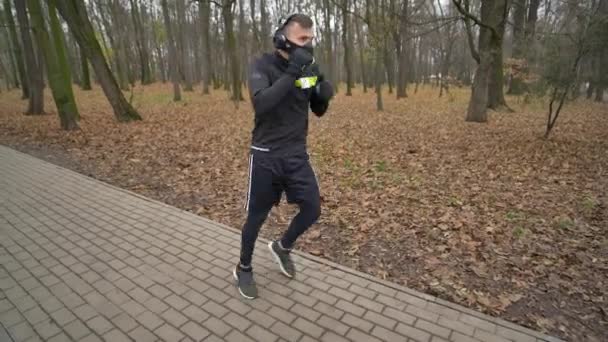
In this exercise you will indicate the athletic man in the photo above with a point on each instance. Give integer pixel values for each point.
(283, 85)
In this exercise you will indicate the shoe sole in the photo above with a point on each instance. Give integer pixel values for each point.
(236, 277)
(278, 260)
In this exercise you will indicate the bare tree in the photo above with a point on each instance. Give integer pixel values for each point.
(177, 95)
(16, 49)
(183, 45)
(489, 48)
(55, 58)
(74, 13)
(141, 43)
(33, 63)
(347, 50)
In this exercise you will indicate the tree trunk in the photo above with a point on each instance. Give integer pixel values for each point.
(336, 55)
(243, 47)
(57, 67)
(379, 103)
(140, 43)
(519, 17)
(265, 26)
(74, 13)
(205, 16)
(161, 63)
(496, 96)
(86, 77)
(17, 54)
(58, 40)
(7, 79)
(477, 111)
(602, 55)
(177, 95)
(361, 48)
(402, 52)
(196, 47)
(478, 104)
(254, 28)
(378, 53)
(328, 43)
(530, 31)
(147, 26)
(116, 47)
(33, 65)
(184, 47)
(233, 56)
(159, 53)
(347, 50)
(10, 75)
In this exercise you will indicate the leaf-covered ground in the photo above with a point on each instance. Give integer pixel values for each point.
(491, 216)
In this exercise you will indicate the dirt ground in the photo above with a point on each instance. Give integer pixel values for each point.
(491, 216)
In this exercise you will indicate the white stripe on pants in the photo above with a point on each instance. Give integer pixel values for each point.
(250, 180)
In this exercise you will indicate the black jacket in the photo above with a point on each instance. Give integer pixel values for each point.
(281, 106)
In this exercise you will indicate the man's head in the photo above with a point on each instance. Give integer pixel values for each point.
(296, 31)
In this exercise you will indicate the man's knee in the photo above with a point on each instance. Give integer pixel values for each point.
(311, 209)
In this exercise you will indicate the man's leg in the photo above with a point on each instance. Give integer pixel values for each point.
(301, 188)
(262, 195)
(249, 235)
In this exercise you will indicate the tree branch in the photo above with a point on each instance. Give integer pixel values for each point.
(211, 1)
(476, 20)
(413, 23)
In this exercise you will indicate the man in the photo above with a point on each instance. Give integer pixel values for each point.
(282, 86)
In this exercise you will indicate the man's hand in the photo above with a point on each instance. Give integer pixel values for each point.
(324, 91)
(299, 59)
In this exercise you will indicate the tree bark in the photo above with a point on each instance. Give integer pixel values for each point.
(140, 43)
(74, 13)
(347, 50)
(16, 49)
(478, 104)
(602, 55)
(116, 46)
(184, 47)
(7, 79)
(530, 31)
(228, 15)
(516, 85)
(156, 33)
(196, 47)
(33, 64)
(519, 17)
(205, 17)
(243, 47)
(361, 49)
(328, 43)
(57, 67)
(402, 51)
(264, 26)
(254, 29)
(177, 95)
(86, 77)
(496, 95)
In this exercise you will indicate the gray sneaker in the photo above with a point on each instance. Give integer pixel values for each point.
(283, 258)
(245, 283)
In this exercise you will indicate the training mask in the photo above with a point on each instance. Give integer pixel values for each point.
(308, 47)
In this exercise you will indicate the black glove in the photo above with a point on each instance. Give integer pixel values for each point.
(323, 91)
(299, 59)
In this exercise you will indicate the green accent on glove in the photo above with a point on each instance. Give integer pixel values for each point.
(306, 82)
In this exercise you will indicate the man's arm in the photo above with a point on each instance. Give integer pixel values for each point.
(265, 95)
(319, 100)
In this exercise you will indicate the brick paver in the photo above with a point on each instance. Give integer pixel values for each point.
(85, 261)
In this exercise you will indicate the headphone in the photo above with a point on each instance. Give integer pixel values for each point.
(279, 39)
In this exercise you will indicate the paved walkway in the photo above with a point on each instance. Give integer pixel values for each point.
(82, 260)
